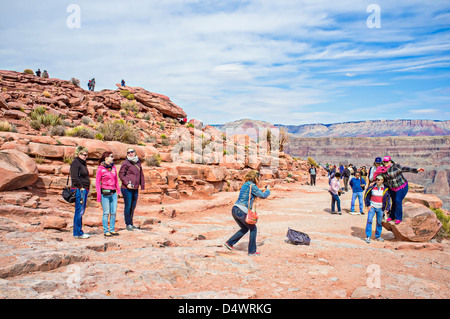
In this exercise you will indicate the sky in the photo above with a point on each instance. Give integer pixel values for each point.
(288, 62)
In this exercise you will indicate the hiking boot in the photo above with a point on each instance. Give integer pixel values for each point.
(397, 221)
(108, 234)
(84, 236)
(114, 233)
(367, 240)
(389, 219)
(130, 227)
(379, 239)
(228, 246)
(256, 253)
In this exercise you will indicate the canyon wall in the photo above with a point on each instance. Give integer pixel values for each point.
(430, 152)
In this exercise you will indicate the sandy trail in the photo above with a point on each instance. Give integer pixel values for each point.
(167, 257)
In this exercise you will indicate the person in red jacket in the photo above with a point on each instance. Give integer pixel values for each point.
(132, 176)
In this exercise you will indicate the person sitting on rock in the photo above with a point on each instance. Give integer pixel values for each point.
(378, 200)
(45, 74)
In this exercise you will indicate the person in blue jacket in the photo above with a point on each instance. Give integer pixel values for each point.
(247, 195)
(357, 184)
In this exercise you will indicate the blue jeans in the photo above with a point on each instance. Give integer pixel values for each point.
(360, 196)
(239, 217)
(335, 200)
(130, 197)
(397, 197)
(80, 207)
(109, 205)
(372, 212)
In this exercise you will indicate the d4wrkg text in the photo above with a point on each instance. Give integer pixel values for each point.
(225, 309)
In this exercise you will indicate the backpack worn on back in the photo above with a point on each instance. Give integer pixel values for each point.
(296, 237)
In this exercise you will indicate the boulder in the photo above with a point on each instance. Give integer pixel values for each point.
(215, 173)
(159, 102)
(17, 170)
(431, 201)
(53, 222)
(420, 224)
(3, 103)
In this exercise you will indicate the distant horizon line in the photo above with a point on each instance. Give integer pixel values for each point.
(329, 124)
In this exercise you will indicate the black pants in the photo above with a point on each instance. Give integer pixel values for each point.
(313, 179)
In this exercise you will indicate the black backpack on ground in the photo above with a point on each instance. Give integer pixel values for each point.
(296, 237)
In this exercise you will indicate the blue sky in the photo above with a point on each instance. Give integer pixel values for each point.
(286, 62)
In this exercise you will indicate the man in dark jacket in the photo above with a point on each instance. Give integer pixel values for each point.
(132, 176)
(379, 202)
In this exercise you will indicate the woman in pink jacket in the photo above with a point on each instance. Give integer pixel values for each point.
(107, 186)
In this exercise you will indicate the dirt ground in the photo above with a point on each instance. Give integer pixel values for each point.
(181, 255)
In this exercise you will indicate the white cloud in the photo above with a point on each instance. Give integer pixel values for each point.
(285, 60)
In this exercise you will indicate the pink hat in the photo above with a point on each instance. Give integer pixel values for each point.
(386, 159)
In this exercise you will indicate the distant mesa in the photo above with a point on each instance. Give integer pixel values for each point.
(374, 128)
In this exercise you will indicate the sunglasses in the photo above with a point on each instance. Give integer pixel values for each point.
(83, 154)
(128, 152)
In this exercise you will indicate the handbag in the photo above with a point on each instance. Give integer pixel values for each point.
(296, 237)
(68, 194)
(252, 216)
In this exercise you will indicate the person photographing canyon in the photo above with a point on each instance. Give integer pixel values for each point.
(247, 195)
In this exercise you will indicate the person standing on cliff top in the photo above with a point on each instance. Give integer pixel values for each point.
(397, 183)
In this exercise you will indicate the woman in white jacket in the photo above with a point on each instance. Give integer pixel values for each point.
(335, 187)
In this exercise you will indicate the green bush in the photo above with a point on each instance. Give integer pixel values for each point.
(81, 131)
(5, 126)
(119, 130)
(58, 130)
(155, 160)
(444, 232)
(28, 71)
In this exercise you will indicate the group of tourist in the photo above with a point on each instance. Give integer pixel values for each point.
(386, 189)
(382, 191)
(107, 187)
